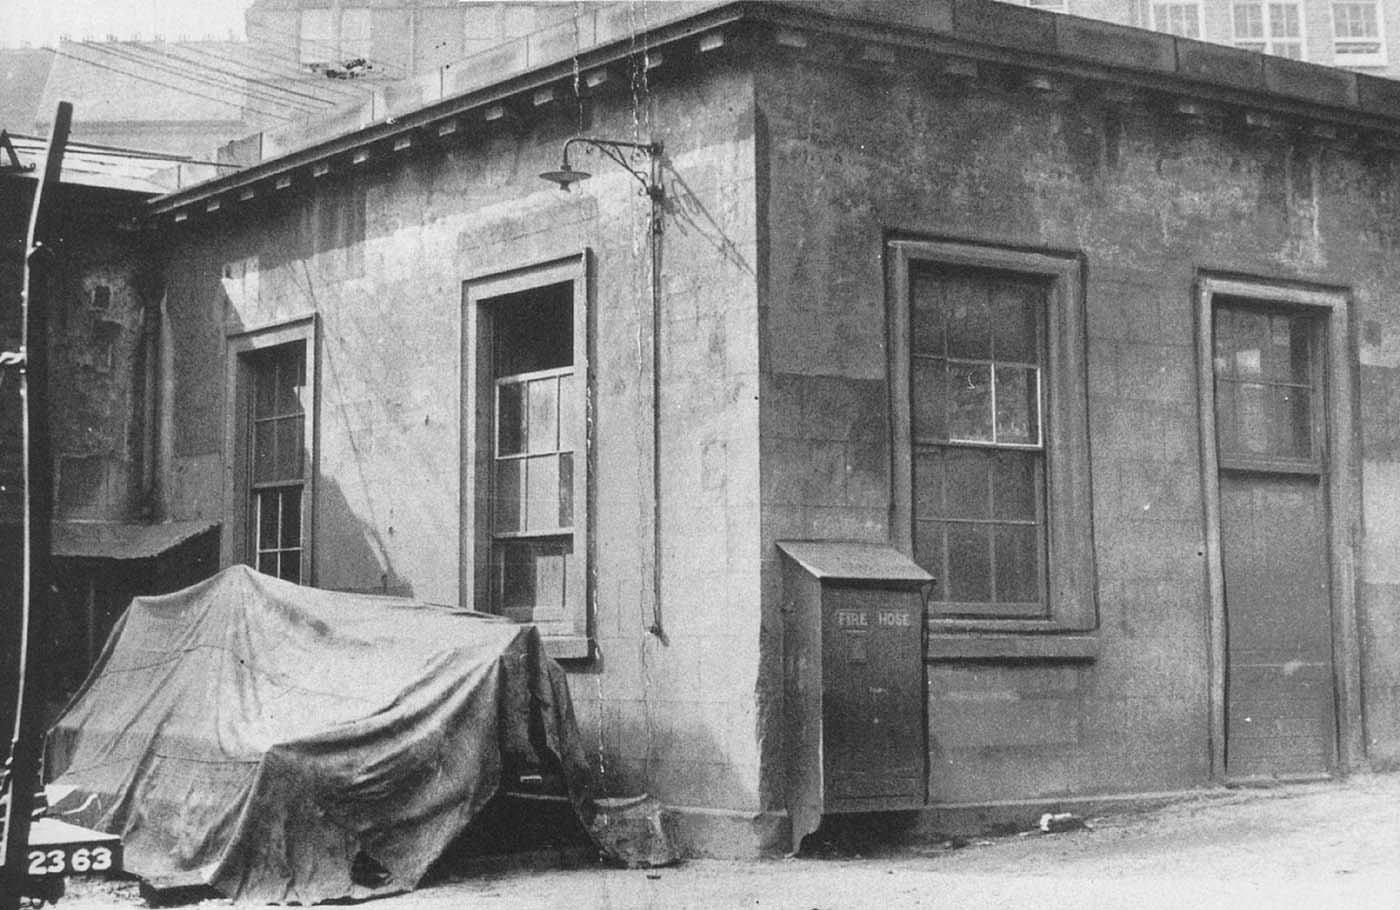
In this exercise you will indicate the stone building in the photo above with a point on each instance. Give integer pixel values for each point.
(1096, 327)
(1356, 34)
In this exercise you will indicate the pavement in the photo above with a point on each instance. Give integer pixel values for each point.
(1323, 845)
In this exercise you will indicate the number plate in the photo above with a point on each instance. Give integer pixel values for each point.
(57, 848)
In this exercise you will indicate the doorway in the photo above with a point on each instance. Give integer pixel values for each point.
(1274, 479)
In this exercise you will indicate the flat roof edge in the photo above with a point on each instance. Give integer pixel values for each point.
(979, 31)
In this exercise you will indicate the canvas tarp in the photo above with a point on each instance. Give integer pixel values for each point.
(263, 738)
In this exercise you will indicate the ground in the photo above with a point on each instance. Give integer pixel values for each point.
(1325, 845)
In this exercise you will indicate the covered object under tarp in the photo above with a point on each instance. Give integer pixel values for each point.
(273, 741)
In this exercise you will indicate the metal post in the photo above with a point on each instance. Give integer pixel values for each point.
(23, 768)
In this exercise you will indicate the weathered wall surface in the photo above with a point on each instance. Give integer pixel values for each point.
(1147, 199)
(380, 257)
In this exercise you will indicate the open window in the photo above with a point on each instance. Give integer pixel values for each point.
(525, 504)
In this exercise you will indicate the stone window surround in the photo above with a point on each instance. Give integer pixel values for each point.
(236, 544)
(1073, 615)
(570, 636)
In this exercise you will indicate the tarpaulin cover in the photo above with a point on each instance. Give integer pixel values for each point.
(258, 737)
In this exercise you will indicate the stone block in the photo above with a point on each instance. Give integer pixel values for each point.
(499, 63)
(243, 152)
(929, 15)
(559, 42)
(302, 133)
(1377, 95)
(1217, 63)
(1005, 25)
(1116, 45)
(410, 94)
(1310, 82)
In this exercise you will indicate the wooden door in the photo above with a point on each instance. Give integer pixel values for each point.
(1280, 716)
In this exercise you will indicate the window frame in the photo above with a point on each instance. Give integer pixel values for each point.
(237, 545)
(1070, 566)
(1379, 58)
(1160, 6)
(1313, 323)
(569, 636)
(1266, 18)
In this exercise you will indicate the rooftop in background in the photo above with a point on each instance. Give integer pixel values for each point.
(1361, 35)
(98, 166)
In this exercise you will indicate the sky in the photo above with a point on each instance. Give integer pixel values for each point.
(41, 22)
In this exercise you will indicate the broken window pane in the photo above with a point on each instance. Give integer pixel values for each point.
(970, 399)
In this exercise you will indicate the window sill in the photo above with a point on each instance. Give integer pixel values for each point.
(567, 647)
(1014, 647)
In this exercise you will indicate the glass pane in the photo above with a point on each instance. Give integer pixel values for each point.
(1251, 430)
(1291, 423)
(264, 451)
(1225, 417)
(1279, 360)
(929, 399)
(1018, 564)
(267, 520)
(969, 319)
(531, 573)
(970, 394)
(927, 323)
(515, 575)
(1015, 313)
(1018, 411)
(566, 490)
(507, 510)
(928, 553)
(1014, 485)
(291, 518)
(542, 493)
(291, 566)
(264, 388)
(267, 563)
(928, 485)
(966, 487)
(289, 448)
(291, 376)
(510, 420)
(570, 430)
(543, 422)
(969, 563)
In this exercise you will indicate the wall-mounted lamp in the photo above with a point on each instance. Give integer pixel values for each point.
(625, 154)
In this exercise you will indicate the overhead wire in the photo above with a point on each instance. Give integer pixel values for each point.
(341, 87)
(270, 86)
(210, 81)
(187, 91)
(295, 40)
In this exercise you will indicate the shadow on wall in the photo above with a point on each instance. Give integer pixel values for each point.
(350, 552)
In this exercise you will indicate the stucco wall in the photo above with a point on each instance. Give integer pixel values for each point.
(676, 718)
(1148, 199)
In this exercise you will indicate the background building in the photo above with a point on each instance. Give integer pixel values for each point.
(1356, 34)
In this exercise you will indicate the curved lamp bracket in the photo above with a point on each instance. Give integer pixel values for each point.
(625, 154)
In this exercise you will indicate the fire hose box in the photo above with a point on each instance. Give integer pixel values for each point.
(854, 691)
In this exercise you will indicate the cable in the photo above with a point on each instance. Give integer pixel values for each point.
(247, 79)
(294, 42)
(186, 91)
(339, 87)
(210, 81)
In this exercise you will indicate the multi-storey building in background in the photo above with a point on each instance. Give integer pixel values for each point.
(1356, 34)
